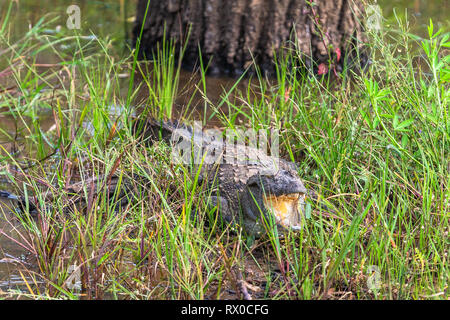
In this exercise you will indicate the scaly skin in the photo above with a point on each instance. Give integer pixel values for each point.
(241, 178)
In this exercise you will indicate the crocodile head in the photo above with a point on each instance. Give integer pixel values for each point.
(280, 196)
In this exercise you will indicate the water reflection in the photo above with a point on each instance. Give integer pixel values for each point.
(13, 257)
(419, 13)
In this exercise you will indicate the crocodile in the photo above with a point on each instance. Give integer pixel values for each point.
(248, 186)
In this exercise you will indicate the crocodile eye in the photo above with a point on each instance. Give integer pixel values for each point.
(254, 181)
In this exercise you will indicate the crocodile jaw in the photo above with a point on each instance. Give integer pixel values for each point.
(286, 209)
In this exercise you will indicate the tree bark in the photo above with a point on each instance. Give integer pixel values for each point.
(234, 33)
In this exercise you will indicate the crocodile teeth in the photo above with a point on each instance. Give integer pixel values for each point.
(285, 209)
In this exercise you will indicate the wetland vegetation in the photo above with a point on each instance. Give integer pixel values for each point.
(373, 144)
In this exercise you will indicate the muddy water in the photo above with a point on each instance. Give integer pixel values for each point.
(419, 13)
(114, 18)
(14, 255)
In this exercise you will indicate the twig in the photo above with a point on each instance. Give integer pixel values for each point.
(242, 286)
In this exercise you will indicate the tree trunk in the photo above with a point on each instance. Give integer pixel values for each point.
(234, 33)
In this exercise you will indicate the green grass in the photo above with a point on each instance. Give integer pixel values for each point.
(374, 145)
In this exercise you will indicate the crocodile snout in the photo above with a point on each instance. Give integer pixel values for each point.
(283, 196)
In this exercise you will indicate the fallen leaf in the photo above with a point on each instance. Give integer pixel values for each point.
(323, 69)
(286, 94)
(338, 54)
